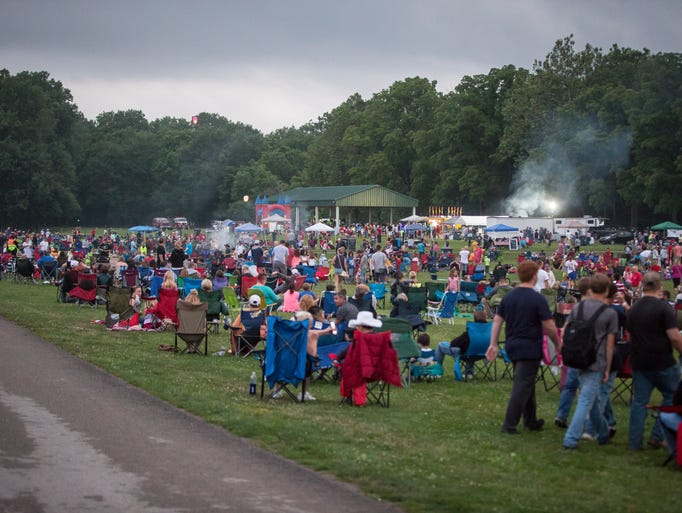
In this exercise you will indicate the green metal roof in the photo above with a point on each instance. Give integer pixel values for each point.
(350, 196)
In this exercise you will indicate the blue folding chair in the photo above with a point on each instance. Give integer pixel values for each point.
(285, 357)
(191, 283)
(379, 291)
(328, 306)
(445, 310)
(474, 357)
(309, 272)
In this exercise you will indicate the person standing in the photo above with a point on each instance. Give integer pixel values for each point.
(280, 254)
(340, 264)
(380, 263)
(464, 260)
(591, 378)
(526, 314)
(653, 334)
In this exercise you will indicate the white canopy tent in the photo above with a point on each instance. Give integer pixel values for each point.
(320, 227)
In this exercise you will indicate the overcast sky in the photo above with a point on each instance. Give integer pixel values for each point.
(272, 63)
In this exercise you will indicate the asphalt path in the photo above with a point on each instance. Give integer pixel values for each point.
(76, 439)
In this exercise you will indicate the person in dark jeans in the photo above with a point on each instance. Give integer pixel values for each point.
(526, 314)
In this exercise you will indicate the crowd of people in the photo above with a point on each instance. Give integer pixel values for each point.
(629, 282)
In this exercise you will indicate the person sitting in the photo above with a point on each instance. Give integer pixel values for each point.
(459, 345)
(306, 291)
(248, 326)
(426, 366)
(272, 300)
(214, 299)
(219, 280)
(363, 300)
(290, 299)
(398, 285)
(493, 299)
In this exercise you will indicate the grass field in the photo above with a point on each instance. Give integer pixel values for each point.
(437, 448)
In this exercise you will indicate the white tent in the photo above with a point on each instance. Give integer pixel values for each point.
(275, 218)
(467, 221)
(319, 227)
(414, 218)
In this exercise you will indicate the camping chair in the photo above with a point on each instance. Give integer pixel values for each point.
(309, 272)
(232, 300)
(328, 306)
(24, 270)
(192, 327)
(417, 297)
(118, 306)
(189, 284)
(48, 271)
(214, 300)
(299, 280)
(65, 284)
(369, 369)
(285, 357)
(446, 309)
(467, 298)
(479, 273)
(246, 281)
(130, 278)
(86, 290)
(166, 308)
(474, 357)
(379, 291)
(404, 344)
(322, 273)
(326, 354)
(622, 386)
(550, 366)
(271, 281)
(246, 337)
(435, 291)
(155, 285)
(260, 294)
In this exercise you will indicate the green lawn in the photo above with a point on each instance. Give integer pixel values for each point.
(437, 448)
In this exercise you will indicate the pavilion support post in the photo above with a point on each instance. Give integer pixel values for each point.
(338, 221)
(317, 214)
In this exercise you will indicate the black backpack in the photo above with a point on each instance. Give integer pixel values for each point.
(579, 348)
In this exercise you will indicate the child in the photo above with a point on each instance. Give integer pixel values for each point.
(290, 299)
(427, 353)
(426, 366)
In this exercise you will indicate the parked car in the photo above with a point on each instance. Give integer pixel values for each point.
(617, 237)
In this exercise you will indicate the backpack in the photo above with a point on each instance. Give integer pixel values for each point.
(579, 349)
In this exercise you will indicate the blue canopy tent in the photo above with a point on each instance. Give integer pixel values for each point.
(143, 228)
(414, 227)
(248, 228)
(501, 228)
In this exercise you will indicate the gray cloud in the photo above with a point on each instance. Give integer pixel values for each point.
(277, 63)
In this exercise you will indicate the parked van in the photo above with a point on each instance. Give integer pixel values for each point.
(180, 222)
(161, 222)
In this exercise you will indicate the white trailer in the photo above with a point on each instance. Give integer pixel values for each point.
(522, 223)
(573, 225)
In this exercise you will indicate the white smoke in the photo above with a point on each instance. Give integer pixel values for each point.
(551, 177)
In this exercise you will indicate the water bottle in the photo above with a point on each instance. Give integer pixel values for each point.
(221, 352)
(252, 384)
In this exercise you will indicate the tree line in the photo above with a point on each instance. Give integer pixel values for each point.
(600, 132)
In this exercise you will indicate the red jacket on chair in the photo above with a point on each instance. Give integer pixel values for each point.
(371, 357)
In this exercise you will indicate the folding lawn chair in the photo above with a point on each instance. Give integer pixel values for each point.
(166, 309)
(86, 290)
(192, 328)
(130, 278)
(467, 298)
(322, 273)
(417, 298)
(24, 270)
(435, 291)
(379, 291)
(245, 283)
(404, 344)
(672, 430)
(309, 272)
(328, 306)
(369, 369)
(118, 305)
(474, 357)
(285, 358)
(48, 271)
(550, 366)
(190, 284)
(245, 338)
(325, 361)
(232, 300)
(622, 386)
(215, 307)
(446, 309)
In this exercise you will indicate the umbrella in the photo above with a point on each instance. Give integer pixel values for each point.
(667, 226)
(501, 228)
(414, 218)
(319, 227)
(143, 228)
(248, 228)
(275, 218)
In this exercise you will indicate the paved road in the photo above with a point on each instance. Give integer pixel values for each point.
(75, 439)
